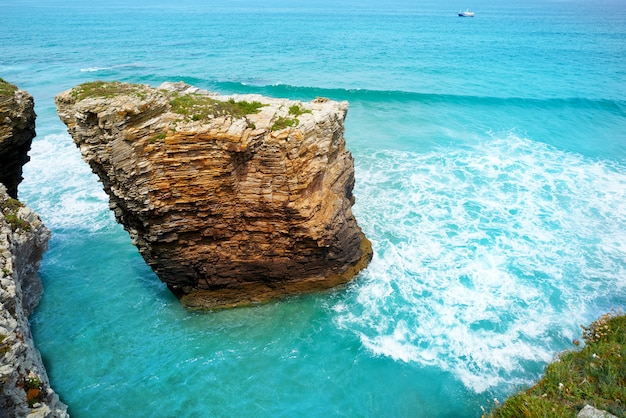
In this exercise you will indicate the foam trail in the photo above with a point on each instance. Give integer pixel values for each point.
(488, 256)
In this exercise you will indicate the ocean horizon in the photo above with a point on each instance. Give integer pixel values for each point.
(490, 160)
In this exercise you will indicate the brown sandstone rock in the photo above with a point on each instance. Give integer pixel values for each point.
(227, 206)
(17, 130)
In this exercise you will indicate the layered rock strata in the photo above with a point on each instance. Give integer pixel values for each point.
(230, 199)
(17, 130)
(24, 386)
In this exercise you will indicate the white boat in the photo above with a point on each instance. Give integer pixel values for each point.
(466, 13)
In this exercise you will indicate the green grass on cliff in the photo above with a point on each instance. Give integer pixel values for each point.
(193, 106)
(284, 122)
(199, 107)
(594, 375)
(107, 89)
(9, 209)
(6, 88)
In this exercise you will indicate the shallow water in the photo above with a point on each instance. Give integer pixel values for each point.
(490, 158)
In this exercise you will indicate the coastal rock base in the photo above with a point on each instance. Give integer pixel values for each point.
(24, 386)
(231, 200)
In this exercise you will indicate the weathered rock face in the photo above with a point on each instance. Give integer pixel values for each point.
(24, 386)
(231, 200)
(17, 130)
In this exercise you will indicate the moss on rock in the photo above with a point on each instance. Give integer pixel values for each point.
(7, 88)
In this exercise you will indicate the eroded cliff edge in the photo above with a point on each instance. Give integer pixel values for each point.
(17, 130)
(230, 199)
(24, 386)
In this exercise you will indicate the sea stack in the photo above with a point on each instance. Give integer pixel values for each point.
(231, 200)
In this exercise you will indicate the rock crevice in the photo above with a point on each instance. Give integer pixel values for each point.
(230, 199)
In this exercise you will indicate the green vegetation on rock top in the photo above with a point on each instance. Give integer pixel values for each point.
(595, 375)
(194, 106)
(107, 89)
(6, 88)
(9, 209)
(296, 110)
(282, 122)
(198, 107)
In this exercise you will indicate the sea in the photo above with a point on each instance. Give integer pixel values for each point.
(490, 159)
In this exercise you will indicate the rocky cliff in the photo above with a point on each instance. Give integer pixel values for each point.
(17, 130)
(230, 199)
(24, 386)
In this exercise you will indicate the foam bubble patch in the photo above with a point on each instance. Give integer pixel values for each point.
(488, 256)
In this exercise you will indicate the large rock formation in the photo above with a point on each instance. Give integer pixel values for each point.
(17, 130)
(24, 386)
(230, 199)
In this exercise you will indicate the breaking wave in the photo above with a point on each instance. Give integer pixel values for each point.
(488, 256)
(63, 190)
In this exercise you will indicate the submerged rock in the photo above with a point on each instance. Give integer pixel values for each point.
(17, 130)
(230, 199)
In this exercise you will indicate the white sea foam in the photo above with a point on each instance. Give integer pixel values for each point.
(108, 68)
(488, 256)
(61, 187)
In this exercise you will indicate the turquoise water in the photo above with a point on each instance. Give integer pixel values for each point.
(490, 158)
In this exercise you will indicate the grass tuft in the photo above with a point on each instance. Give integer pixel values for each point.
(158, 137)
(282, 122)
(296, 110)
(285, 122)
(594, 375)
(5, 347)
(6, 88)
(33, 387)
(107, 89)
(200, 107)
(9, 209)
